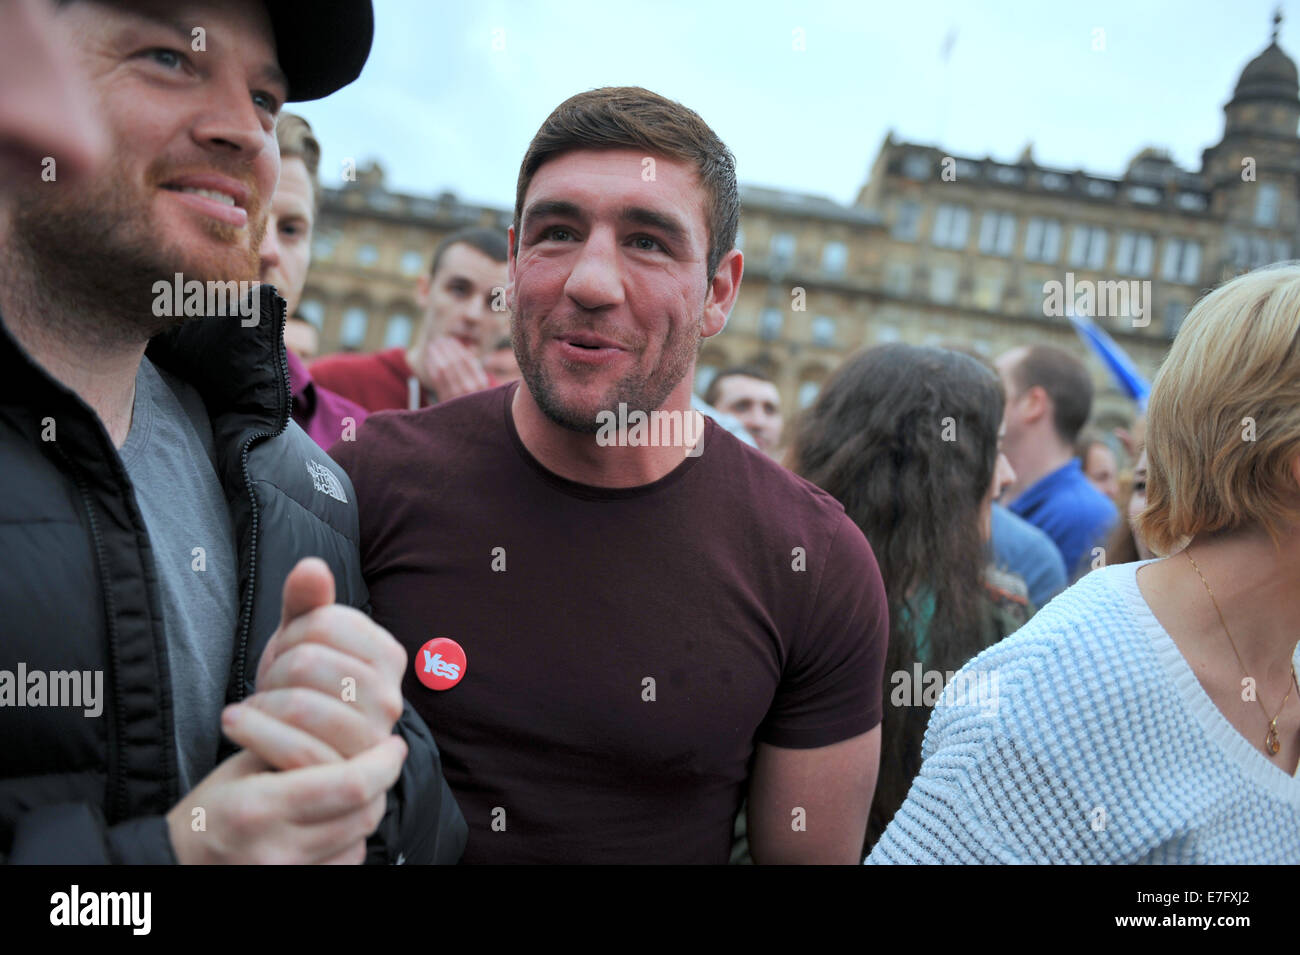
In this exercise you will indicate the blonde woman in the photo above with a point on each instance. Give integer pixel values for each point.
(1151, 712)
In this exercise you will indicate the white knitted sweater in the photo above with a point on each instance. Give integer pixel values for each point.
(1085, 737)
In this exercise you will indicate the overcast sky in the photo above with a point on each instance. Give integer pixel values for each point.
(453, 92)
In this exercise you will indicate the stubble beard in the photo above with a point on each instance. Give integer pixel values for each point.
(645, 391)
(90, 258)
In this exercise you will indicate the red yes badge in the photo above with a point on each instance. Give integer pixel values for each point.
(440, 664)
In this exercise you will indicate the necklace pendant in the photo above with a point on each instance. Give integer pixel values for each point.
(1271, 741)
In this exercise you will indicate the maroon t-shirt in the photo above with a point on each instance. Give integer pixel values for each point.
(625, 648)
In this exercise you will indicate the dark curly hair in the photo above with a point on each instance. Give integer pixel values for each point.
(906, 438)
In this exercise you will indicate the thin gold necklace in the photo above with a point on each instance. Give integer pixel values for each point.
(1271, 742)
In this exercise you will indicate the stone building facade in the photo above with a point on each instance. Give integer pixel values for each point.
(936, 248)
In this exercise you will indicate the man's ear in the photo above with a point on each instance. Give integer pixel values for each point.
(1039, 404)
(423, 288)
(722, 293)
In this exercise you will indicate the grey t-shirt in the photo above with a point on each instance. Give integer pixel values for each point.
(171, 459)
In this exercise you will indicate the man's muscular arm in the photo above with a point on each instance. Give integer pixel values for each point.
(832, 785)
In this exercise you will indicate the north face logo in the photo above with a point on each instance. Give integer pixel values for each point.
(326, 481)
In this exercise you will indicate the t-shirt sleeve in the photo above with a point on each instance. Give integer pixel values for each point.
(830, 689)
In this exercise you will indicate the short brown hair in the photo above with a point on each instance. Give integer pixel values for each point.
(1223, 419)
(712, 393)
(297, 141)
(629, 117)
(488, 241)
(1066, 381)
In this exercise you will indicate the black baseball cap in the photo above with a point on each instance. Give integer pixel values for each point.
(321, 44)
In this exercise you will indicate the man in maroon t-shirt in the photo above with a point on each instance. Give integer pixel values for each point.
(463, 298)
(620, 633)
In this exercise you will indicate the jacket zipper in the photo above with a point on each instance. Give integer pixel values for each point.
(116, 776)
(246, 613)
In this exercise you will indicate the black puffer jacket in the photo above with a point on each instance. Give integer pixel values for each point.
(79, 591)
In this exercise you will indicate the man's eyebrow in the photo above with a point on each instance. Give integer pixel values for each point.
(665, 223)
(545, 208)
(272, 74)
(269, 72)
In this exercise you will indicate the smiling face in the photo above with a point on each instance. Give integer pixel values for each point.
(194, 158)
(608, 288)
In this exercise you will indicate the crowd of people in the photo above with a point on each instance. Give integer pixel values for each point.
(416, 607)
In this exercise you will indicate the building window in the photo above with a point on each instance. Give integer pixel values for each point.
(898, 279)
(1266, 204)
(807, 393)
(1087, 247)
(782, 250)
(823, 331)
(1175, 312)
(1263, 252)
(769, 324)
(313, 311)
(951, 223)
(1238, 249)
(353, 332)
(943, 283)
(1042, 240)
(834, 257)
(398, 332)
(1099, 189)
(907, 220)
(965, 169)
(1146, 195)
(886, 334)
(1182, 261)
(1133, 254)
(1054, 181)
(997, 233)
(988, 292)
(1192, 202)
(916, 166)
(367, 255)
(1034, 295)
(412, 262)
(1011, 175)
(322, 247)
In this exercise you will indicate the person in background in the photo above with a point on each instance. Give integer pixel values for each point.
(1123, 732)
(1022, 549)
(1098, 461)
(908, 440)
(752, 398)
(1049, 397)
(465, 315)
(301, 337)
(1125, 545)
(285, 256)
(501, 364)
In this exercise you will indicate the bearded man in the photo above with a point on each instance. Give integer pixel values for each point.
(158, 499)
